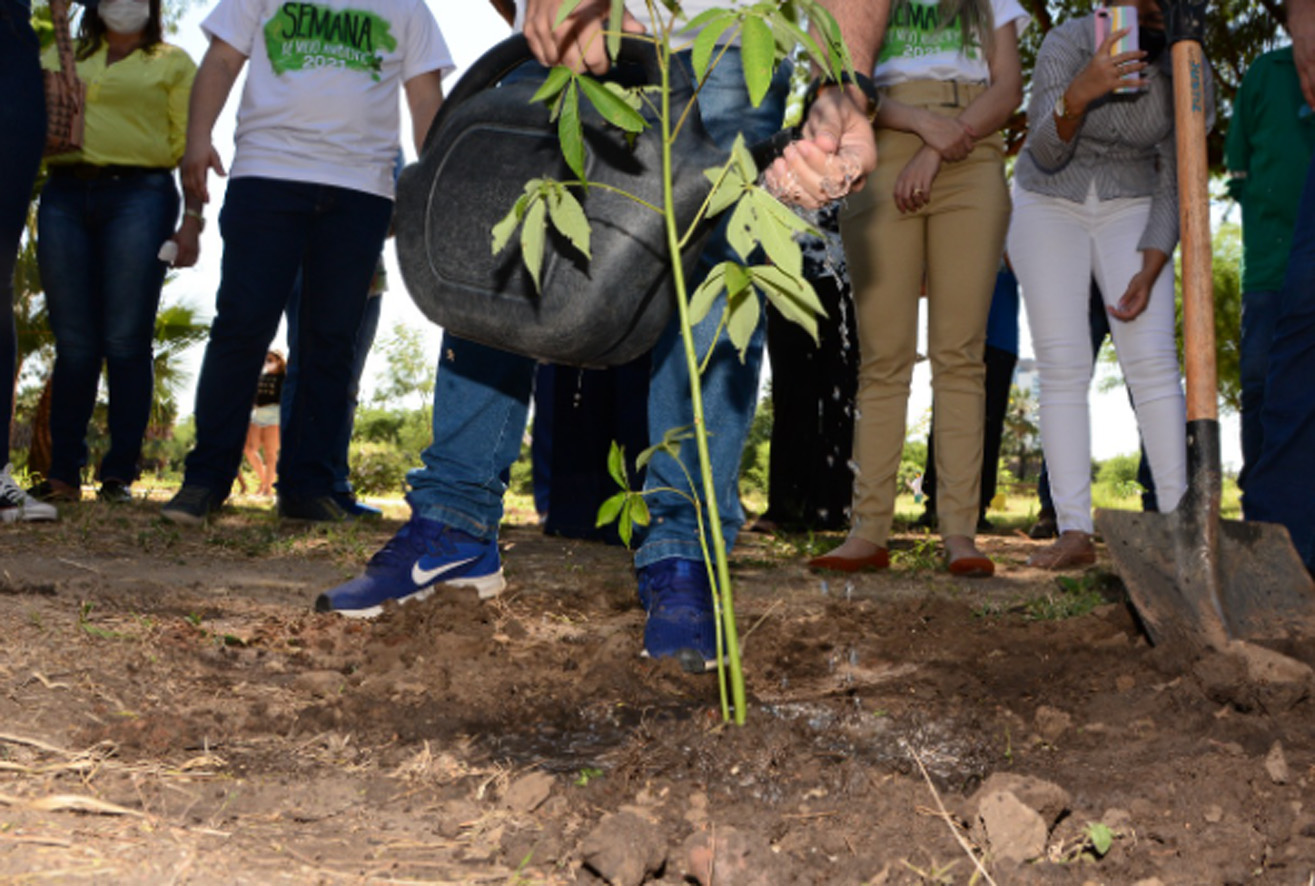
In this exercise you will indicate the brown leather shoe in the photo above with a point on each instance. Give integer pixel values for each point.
(870, 563)
(972, 567)
(1073, 550)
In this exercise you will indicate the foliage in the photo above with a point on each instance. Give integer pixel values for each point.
(409, 370)
(1227, 273)
(377, 468)
(1020, 445)
(1119, 469)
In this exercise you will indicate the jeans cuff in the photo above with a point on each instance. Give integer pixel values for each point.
(455, 518)
(670, 549)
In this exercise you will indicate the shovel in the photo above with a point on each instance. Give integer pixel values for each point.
(1199, 582)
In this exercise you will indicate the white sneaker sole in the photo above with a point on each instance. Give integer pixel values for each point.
(487, 586)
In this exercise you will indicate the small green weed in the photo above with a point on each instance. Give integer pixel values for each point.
(923, 556)
(91, 630)
(587, 775)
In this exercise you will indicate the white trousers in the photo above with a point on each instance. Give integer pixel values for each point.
(1056, 247)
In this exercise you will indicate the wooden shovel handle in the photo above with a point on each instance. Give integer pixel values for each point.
(1189, 93)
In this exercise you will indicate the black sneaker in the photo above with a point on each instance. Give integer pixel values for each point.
(116, 492)
(192, 505)
(355, 508)
(316, 509)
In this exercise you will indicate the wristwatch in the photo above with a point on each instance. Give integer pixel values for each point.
(862, 81)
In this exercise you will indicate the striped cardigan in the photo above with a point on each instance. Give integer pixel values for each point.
(1124, 145)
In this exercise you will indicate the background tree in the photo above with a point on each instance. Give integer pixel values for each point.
(1022, 434)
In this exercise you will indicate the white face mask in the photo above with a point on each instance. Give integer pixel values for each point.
(124, 16)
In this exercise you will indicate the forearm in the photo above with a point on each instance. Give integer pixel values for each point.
(992, 109)
(863, 27)
(214, 81)
(1153, 262)
(424, 96)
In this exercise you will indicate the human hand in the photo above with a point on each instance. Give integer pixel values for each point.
(198, 159)
(1105, 73)
(1135, 299)
(913, 185)
(579, 42)
(834, 156)
(188, 238)
(945, 135)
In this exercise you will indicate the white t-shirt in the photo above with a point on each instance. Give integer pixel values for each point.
(321, 102)
(914, 48)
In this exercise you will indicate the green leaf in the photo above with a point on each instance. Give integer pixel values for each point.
(726, 189)
(1102, 838)
(614, 19)
(793, 296)
(706, 41)
(777, 241)
(616, 465)
(624, 527)
(503, 230)
(758, 55)
(570, 132)
(712, 286)
(554, 83)
(744, 311)
(639, 510)
(609, 510)
(533, 234)
(567, 7)
(610, 106)
(569, 219)
(739, 232)
(670, 444)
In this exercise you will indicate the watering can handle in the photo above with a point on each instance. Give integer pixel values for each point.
(513, 52)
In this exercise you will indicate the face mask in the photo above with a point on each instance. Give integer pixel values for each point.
(124, 16)
(1153, 42)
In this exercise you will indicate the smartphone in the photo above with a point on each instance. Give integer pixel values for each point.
(1115, 18)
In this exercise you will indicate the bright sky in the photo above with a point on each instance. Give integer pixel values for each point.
(470, 27)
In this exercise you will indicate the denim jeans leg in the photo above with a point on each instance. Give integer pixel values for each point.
(265, 226)
(1259, 314)
(345, 235)
(71, 273)
(137, 216)
(1281, 485)
(22, 137)
(730, 385)
(481, 403)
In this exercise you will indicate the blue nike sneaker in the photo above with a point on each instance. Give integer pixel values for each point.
(681, 621)
(423, 555)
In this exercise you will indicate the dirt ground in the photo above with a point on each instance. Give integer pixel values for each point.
(172, 711)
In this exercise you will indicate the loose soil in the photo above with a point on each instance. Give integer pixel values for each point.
(172, 711)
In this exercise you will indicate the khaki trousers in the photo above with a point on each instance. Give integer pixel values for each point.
(956, 242)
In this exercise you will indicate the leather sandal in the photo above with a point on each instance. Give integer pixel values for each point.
(870, 563)
(1073, 549)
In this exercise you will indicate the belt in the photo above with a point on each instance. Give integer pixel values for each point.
(945, 93)
(92, 172)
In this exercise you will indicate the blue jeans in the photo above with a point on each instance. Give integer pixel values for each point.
(273, 230)
(481, 394)
(342, 485)
(1281, 485)
(22, 136)
(1259, 314)
(97, 247)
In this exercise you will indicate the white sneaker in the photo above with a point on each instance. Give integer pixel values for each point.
(16, 505)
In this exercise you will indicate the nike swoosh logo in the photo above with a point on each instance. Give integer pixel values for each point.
(423, 577)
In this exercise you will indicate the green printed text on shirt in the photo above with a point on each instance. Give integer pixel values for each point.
(915, 32)
(304, 36)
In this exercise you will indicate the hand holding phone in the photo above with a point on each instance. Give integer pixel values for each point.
(1119, 22)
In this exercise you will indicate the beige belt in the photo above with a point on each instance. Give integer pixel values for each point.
(929, 93)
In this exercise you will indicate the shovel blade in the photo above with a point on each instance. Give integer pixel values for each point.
(1198, 586)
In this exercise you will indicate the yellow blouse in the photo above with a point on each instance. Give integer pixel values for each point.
(136, 108)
